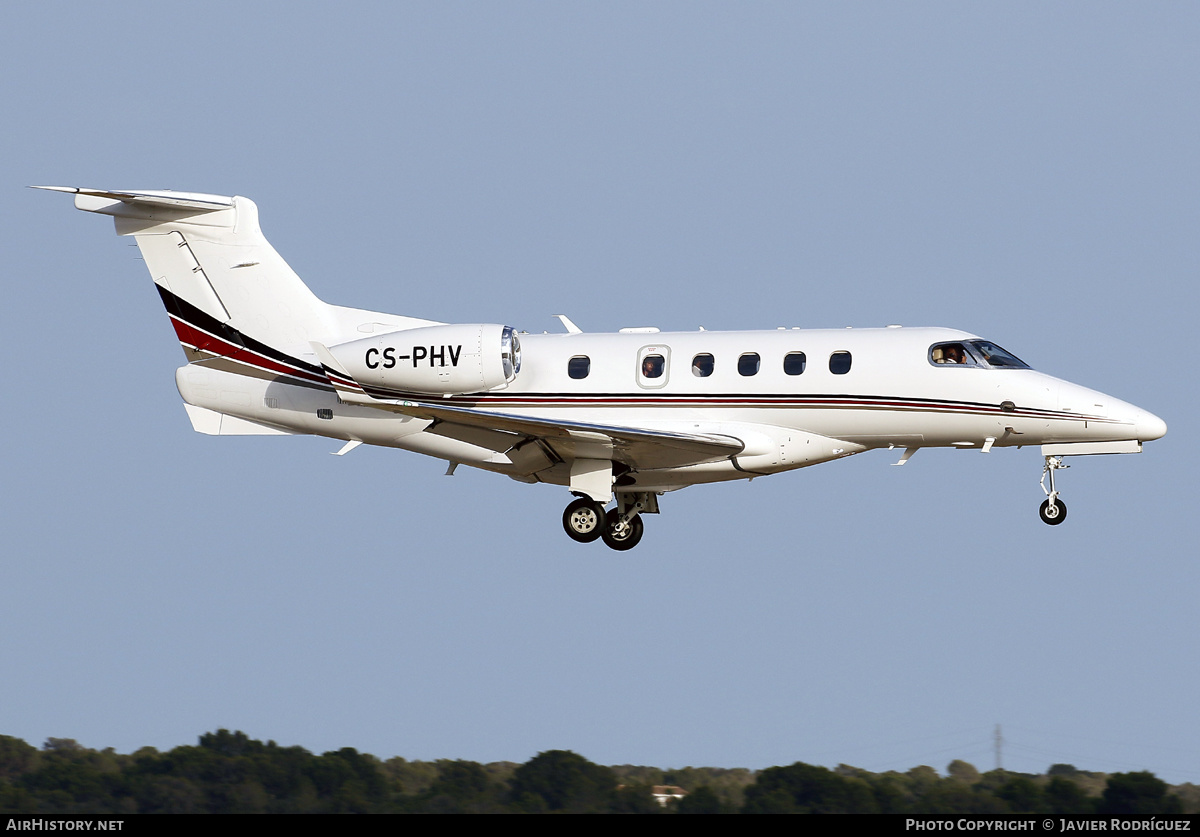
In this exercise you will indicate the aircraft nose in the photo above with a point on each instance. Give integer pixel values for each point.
(1150, 426)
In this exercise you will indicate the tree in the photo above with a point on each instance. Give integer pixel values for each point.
(559, 780)
(807, 789)
(1067, 799)
(16, 757)
(1138, 795)
(635, 799)
(228, 743)
(461, 787)
(961, 771)
(701, 801)
(460, 779)
(1022, 795)
(1066, 770)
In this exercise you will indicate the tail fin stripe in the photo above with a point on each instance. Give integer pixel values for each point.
(204, 342)
(209, 331)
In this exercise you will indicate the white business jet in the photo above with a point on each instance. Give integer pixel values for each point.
(625, 416)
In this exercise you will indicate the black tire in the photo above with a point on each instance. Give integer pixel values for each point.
(1055, 517)
(627, 539)
(584, 520)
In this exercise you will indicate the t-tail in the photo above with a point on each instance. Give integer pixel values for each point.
(234, 302)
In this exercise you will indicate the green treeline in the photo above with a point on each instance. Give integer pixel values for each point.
(232, 773)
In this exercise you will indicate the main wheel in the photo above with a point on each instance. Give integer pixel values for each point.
(584, 520)
(622, 537)
(1055, 514)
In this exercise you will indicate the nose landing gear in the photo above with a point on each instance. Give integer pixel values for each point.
(1053, 510)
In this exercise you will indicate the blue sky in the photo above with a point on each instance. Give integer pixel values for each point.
(1027, 172)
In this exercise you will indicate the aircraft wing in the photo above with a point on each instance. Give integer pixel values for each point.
(641, 448)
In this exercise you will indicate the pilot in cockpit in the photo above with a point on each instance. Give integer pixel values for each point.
(950, 353)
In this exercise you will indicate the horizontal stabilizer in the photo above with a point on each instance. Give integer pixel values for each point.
(212, 423)
(163, 198)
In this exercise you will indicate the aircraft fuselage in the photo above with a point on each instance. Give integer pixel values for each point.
(629, 415)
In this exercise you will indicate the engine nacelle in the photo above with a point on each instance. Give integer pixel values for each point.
(434, 360)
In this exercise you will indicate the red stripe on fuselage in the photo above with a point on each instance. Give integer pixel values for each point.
(191, 336)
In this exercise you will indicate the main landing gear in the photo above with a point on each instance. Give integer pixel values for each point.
(584, 520)
(621, 534)
(621, 527)
(1053, 510)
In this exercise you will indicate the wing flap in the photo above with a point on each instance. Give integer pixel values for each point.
(638, 447)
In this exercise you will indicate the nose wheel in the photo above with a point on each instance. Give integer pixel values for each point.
(1055, 514)
(1053, 510)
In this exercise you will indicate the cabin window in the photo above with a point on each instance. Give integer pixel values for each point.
(702, 365)
(793, 363)
(653, 366)
(748, 364)
(839, 363)
(579, 366)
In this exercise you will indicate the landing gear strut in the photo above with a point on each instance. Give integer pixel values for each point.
(1053, 510)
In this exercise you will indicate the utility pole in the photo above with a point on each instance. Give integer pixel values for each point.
(999, 740)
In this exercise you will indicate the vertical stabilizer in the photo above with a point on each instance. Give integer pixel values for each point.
(222, 282)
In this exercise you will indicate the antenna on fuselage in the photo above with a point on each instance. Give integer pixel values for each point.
(568, 325)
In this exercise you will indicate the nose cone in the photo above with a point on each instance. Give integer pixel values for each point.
(1150, 426)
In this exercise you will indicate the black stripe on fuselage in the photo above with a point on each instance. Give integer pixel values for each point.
(199, 319)
(782, 401)
(196, 318)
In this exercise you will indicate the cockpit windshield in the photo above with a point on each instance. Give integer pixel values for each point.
(977, 353)
(995, 356)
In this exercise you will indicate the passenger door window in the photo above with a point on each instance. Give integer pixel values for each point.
(653, 367)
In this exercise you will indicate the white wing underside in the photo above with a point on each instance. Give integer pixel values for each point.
(639, 448)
